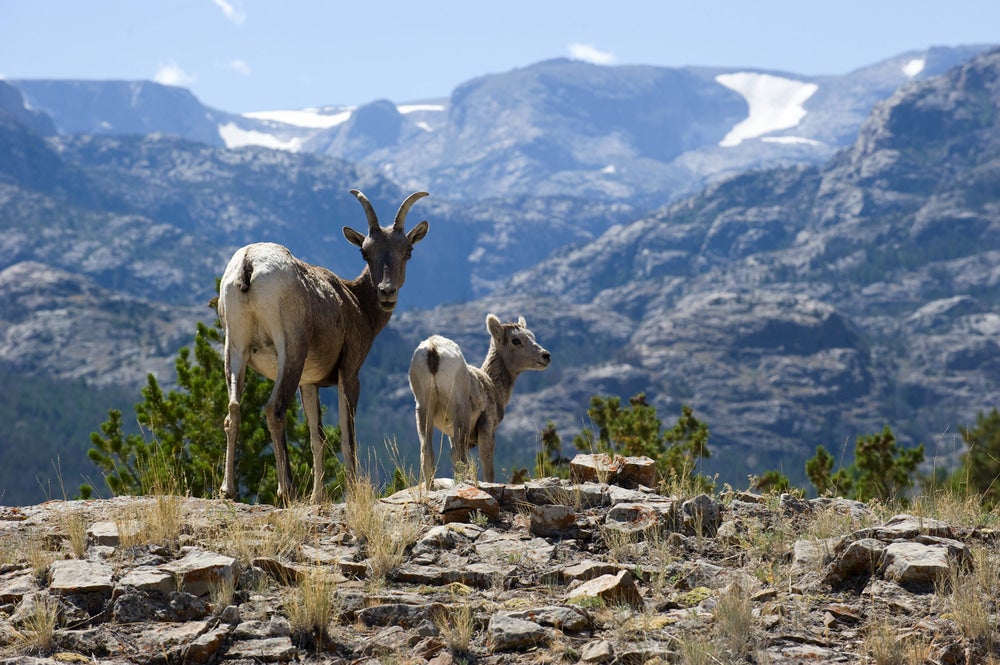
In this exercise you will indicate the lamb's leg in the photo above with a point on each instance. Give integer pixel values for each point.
(486, 445)
(317, 438)
(425, 432)
(235, 368)
(460, 440)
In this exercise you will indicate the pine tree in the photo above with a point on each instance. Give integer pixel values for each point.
(981, 462)
(881, 470)
(637, 431)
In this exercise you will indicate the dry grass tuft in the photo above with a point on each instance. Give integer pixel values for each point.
(311, 604)
(620, 543)
(698, 650)
(276, 534)
(884, 644)
(75, 525)
(457, 626)
(969, 597)
(40, 625)
(734, 622)
(384, 532)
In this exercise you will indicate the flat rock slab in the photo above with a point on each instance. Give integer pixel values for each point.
(506, 633)
(201, 570)
(148, 578)
(265, 650)
(73, 576)
(914, 565)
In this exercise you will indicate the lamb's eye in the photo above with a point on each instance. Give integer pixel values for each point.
(515, 342)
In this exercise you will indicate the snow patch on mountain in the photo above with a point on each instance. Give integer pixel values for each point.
(914, 67)
(413, 108)
(791, 140)
(775, 104)
(237, 137)
(308, 118)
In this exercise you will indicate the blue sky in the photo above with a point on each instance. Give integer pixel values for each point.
(253, 55)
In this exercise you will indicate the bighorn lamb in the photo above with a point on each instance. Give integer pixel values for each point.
(304, 327)
(466, 402)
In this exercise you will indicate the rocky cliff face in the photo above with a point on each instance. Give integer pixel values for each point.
(547, 571)
(801, 306)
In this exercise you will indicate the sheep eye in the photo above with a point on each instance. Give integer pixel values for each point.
(515, 342)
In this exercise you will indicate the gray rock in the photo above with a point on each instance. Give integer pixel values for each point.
(613, 590)
(551, 519)
(264, 650)
(915, 565)
(566, 619)
(597, 651)
(506, 633)
(200, 571)
(75, 576)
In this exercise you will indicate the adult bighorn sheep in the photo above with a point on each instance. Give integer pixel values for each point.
(305, 327)
(466, 402)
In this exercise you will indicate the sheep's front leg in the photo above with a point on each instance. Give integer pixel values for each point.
(348, 390)
(317, 438)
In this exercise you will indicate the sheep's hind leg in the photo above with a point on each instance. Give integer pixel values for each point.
(317, 438)
(282, 396)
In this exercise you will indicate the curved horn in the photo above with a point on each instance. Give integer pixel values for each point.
(405, 208)
(369, 211)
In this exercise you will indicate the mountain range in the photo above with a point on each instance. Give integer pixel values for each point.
(801, 260)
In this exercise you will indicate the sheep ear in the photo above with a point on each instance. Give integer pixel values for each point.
(521, 322)
(494, 326)
(353, 236)
(418, 232)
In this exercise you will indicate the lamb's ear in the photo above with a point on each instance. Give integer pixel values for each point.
(353, 236)
(521, 322)
(494, 326)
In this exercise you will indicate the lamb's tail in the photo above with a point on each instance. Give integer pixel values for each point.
(433, 360)
(247, 274)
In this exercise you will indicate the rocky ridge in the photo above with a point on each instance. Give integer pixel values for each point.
(598, 569)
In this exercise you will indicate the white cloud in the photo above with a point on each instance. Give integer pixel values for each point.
(239, 66)
(233, 10)
(590, 53)
(170, 73)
